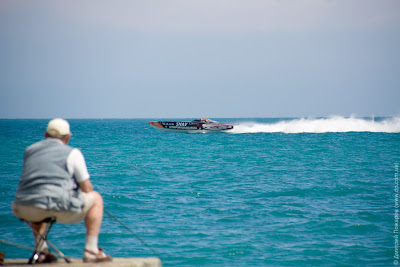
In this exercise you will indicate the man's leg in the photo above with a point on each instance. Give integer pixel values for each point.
(32, 214)
(38, 229)
(93, 221)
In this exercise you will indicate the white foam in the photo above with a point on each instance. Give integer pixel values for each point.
(322, 125)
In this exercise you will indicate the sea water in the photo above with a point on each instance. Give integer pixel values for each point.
(273, 192)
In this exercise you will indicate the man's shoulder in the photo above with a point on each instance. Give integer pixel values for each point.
(49, 142)
(75, 153)
(34, 145)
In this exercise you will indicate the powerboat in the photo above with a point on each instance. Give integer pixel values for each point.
(197, 125)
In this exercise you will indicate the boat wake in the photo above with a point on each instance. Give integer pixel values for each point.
(335, 124)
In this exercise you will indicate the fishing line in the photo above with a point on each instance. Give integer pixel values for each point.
(132, 232)
(17, 245)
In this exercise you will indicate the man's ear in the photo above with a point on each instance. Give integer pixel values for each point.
(66, 139)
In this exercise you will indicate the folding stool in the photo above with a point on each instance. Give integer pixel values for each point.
(44, 238)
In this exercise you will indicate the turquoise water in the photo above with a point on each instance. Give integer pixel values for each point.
(275, 192)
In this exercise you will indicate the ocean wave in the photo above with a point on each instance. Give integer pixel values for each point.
(335, 124)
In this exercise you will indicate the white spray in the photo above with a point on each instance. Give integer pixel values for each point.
(322, 125)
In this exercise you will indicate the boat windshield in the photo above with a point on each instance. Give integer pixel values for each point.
(204, 120)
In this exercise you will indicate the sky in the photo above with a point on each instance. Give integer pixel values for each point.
(199, 58)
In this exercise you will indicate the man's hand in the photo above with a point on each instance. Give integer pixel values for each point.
(86, 186)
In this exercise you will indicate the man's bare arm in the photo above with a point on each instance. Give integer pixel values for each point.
(86, 186)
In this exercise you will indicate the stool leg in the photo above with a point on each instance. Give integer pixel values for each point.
(59, 252)
(33, 259)
(42, 238)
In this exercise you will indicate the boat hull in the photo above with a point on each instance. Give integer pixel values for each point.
(190, 126)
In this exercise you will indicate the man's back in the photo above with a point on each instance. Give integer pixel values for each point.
(45, 181)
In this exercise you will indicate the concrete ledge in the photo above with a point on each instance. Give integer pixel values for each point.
(116, 262)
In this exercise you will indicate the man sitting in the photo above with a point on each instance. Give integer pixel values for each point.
(55, 183)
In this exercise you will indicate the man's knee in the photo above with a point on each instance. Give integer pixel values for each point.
(97, 198)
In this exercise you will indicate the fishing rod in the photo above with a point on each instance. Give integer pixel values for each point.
(132, 232)
(109, 214)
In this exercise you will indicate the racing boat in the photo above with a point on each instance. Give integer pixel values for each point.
(198, 125)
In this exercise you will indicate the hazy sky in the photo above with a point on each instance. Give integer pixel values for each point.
(199, 58)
